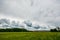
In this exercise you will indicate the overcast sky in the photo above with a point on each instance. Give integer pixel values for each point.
(43, 11)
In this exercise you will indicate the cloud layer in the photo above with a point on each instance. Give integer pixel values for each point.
(42, 11)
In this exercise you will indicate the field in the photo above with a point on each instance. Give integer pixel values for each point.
(29, 35)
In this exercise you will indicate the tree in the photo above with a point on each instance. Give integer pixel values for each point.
(57, 29)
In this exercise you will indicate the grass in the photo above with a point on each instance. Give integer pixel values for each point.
(29, 35)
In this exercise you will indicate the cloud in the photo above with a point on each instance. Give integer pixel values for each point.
(42, 11)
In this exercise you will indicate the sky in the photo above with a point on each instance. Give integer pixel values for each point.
(42, 11)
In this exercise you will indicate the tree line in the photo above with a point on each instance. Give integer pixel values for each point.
(57, 29)
(13, 30)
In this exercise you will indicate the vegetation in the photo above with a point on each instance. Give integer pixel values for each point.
(24, 30)
(29, 36)
(57, 29)
(13, 30)
(23, 34)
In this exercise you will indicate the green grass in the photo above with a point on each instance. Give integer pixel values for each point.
(29, 35)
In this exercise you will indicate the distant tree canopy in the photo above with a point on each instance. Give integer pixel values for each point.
(13, 30)
(57, 29)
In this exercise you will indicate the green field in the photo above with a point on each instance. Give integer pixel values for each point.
(29, 35)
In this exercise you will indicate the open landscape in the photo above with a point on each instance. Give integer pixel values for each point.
(29, 19)
(29, 36)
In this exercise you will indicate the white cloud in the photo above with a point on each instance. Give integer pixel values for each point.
(43, 11)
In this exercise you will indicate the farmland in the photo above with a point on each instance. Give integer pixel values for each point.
(29, 35)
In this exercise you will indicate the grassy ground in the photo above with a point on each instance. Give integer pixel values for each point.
(29, 35)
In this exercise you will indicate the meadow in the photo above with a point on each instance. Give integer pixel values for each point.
(29, 35)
